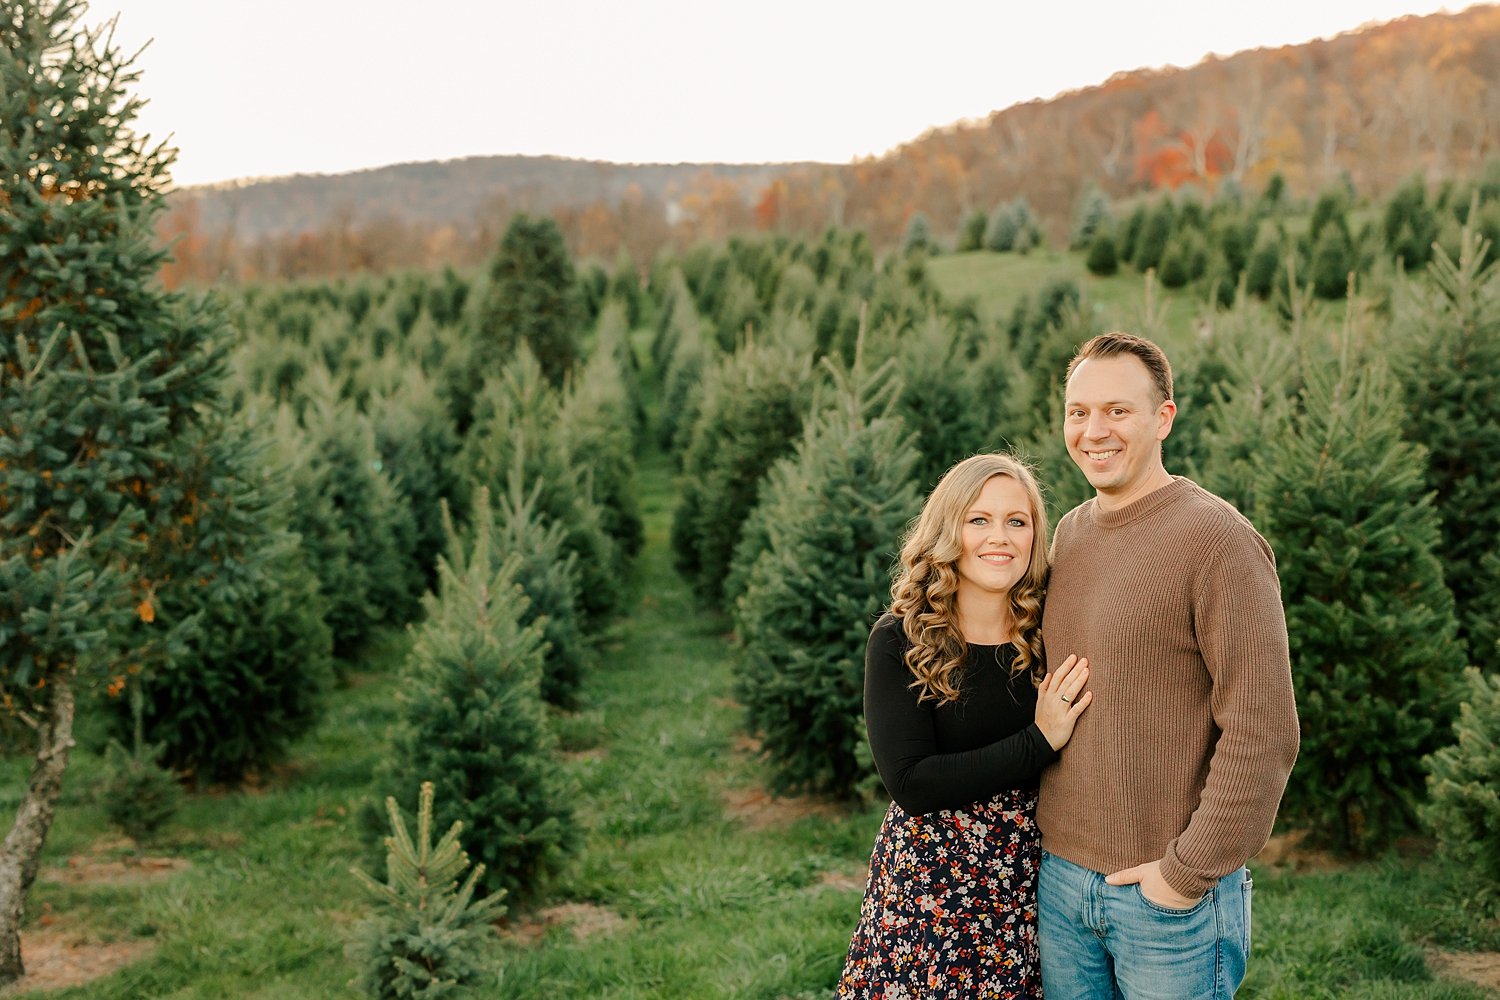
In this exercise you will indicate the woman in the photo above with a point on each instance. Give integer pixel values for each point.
(961, 720)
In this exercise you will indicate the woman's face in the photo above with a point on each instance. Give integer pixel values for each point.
(997, 533)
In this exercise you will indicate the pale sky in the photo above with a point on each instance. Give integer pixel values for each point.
(325, 86)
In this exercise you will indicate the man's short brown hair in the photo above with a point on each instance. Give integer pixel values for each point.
(1117, 343)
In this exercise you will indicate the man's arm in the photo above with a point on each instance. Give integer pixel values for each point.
(1241, 632)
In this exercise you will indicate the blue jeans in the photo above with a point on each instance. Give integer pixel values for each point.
(1104, 942)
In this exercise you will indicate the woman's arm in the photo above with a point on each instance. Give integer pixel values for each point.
(903, 740)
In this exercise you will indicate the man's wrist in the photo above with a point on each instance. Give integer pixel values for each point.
(1182, 879)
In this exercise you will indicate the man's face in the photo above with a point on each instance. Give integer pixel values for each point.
(1114, 424)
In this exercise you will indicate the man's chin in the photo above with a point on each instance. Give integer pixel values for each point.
(1099, 480)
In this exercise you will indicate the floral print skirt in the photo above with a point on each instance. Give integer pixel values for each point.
(950, 906)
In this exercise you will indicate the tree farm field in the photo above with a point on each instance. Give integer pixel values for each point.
(691, 881)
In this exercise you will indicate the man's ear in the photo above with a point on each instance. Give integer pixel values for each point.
(1165, 414)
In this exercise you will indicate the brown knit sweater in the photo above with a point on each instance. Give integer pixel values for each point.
(1185, 752)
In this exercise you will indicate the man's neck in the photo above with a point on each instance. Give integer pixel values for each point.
(1114, 501)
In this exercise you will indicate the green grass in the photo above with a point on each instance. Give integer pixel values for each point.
(999, 281)
(707, 905)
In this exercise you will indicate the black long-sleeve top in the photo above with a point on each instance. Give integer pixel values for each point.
(948, 757)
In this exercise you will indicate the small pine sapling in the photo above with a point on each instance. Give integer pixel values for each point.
(1463, 788)
(428, 935)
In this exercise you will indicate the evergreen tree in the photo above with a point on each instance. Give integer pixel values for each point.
(594, 425)
(1487, 224)
(1446, 339)
(834, 513)
(625, 288)
(674, 290)
(1000, 233)
(1273, 199)
(428, 936)
(326, 543)
(1229, 197)
(682, 370)
(102, 374)
(739, 312)
(1033, 325)
(918, 235)
(138, 795)
(797, 290)
(1102, 259)
(1185, 259)
(1189, 212)
(249, 660)
(1129, 235)
(612, 337)
(752, 410)
(942, 400)
(972, 236)
(1263, 267)
(1155, 233)
(446, 296)
(547, 574)
(1331, 209)
(1373, 637)
(1218, 278)
(1463, 784)
(1332, 260)
(471, 718)
(1091, 217)
(593, 290)
(1246, 377)
(381, 527)
(1235, 237)
(532, 298)
(417, 446)
(1410, 225)
(1012, 226)
(516, 420)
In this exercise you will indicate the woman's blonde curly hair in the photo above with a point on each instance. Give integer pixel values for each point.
(925, 594)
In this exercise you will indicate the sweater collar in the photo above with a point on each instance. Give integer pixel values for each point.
(1144, 507)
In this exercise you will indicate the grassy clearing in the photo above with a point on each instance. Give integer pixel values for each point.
(999, 281)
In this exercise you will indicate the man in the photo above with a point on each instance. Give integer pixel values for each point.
(1172, 780)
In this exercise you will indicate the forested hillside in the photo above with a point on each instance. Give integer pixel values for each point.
(1370, 107)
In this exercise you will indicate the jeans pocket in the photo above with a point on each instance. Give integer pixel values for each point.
(1169, 910)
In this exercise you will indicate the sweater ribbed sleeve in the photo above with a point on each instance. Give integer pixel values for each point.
(1186, 750)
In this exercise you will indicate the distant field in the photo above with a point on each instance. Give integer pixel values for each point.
(999, 281)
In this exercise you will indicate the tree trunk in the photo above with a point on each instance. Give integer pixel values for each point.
(21, 853)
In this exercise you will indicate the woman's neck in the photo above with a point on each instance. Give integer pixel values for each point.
(985, 620)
